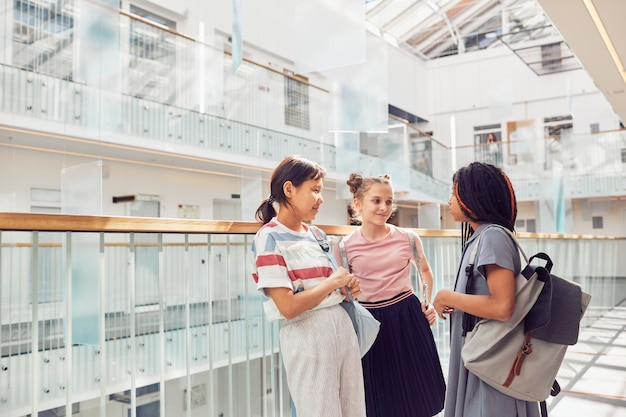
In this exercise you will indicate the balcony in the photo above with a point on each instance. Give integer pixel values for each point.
(147, 312)
(153, 105)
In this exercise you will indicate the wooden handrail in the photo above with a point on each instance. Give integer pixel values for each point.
(112, 224)
(118, 224)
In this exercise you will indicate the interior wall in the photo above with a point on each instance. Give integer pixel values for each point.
(22, 170)
(408, 82)
(610, 209)
(495, 86)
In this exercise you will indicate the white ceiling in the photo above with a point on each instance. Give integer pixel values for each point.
(574, 23)
(431, 29)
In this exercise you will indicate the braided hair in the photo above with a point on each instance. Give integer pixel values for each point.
(485, 194)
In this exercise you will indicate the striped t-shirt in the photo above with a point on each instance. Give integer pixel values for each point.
(289, 259)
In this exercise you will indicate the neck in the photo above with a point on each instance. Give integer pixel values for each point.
(474, 225)
(374, 231)
(290, 221)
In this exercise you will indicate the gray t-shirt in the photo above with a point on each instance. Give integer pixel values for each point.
(467, 395)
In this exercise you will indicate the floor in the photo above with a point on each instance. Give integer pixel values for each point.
(593, 374)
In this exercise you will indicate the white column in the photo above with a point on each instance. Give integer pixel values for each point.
(6, 32)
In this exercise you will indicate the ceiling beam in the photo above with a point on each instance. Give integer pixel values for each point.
(484, 9)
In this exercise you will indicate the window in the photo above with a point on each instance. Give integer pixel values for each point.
(152, 57)
(296, 102)
(58, 411)
(163, 21)
(597, 222)
(43, 35)
(551, 56)
(555, 127)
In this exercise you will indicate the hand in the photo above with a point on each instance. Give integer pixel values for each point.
(341, 278)
(355, 288)
(429, 313)
(440, 305)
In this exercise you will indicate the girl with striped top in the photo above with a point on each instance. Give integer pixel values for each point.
(318, 345)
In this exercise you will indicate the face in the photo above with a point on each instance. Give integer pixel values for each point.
(455, 209)
(376, 205)
(306, 199)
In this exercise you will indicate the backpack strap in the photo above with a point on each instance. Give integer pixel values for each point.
(469, 321)
(323, 244)
(326, 249)
(320, 239)
(344, 255)
(472, 257)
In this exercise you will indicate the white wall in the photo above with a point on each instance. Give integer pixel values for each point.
(22, 170)
(467, 86)
(611, 211)
(408, 82)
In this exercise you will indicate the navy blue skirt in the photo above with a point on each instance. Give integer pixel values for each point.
(402, 371)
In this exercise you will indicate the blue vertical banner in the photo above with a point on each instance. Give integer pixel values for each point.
(81, 193)
(559, 201)
(237, 40)
(98, 63)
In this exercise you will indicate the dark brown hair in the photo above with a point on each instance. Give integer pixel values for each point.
(295, 169)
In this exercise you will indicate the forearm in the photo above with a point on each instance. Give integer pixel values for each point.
(292, 304)
(484, 306)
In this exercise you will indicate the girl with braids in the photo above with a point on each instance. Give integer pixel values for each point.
(318, 345)
(482, 195)
(402, 371)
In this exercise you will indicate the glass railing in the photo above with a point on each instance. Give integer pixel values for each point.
(161, 85)
(588, 165)
(167, 317)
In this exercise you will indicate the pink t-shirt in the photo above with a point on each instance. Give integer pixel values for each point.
(383, 267)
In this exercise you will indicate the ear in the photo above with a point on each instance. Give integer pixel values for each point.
(356, 204)
(288, 189)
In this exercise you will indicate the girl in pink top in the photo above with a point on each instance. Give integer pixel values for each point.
(402, 371)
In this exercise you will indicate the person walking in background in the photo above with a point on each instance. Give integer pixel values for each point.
(494, 154)
(402, 371)
(482, 195)
(318, 345)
